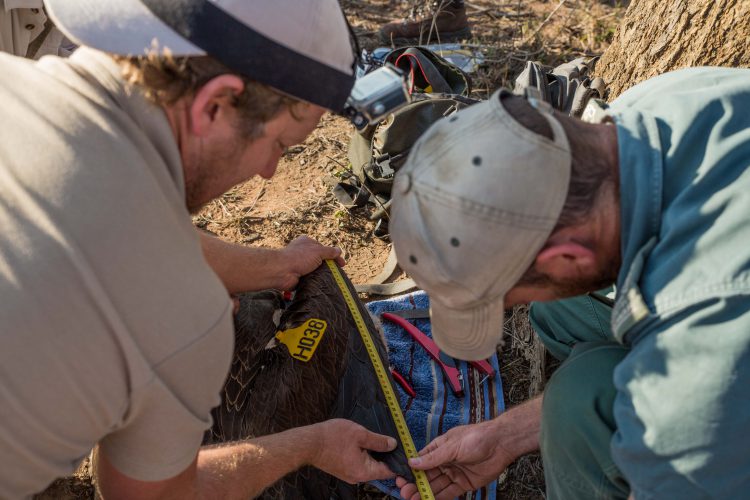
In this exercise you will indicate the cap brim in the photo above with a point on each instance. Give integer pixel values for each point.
(125, 27)
(468, 334)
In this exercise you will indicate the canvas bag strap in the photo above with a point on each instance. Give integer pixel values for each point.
(377, 285)
(421, 68)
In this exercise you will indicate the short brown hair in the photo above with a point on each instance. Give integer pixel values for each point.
(588, 170)
(588, 175)
(165, 79)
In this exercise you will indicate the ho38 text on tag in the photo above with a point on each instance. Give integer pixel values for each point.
(304, 339)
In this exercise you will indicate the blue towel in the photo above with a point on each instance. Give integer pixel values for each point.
(435, 409)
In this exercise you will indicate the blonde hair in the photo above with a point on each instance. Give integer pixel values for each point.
(165, 79)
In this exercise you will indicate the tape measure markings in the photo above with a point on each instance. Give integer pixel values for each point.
(420, 477)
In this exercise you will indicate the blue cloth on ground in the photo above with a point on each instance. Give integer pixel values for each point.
(435, 409)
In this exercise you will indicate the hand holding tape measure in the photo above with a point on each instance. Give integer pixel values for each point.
(423, 485)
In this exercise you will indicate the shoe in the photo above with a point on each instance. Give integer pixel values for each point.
(448, 24)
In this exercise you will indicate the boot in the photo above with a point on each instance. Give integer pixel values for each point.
(447, 23)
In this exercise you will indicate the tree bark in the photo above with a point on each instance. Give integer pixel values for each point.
(657, 36)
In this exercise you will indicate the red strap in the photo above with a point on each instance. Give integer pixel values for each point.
(411, 71)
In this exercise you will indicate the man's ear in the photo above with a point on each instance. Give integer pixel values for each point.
(565, 260)
(212, 101)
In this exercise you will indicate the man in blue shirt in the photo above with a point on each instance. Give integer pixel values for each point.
(507, 204)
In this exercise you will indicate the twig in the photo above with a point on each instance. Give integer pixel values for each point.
(257, 197)
(223, 207)
(538, 28)
(494, 14)
(337, 162)
(482, 9)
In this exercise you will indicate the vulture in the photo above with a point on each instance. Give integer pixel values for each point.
(268, 390)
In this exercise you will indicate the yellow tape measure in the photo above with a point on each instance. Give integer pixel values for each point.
(423, 485)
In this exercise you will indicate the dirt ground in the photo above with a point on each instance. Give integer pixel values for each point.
(298, 200)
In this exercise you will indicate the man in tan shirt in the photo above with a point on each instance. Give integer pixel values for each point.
(115, 330)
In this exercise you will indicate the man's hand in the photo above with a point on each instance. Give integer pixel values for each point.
(302, 256)
(470, 456)
(463, 459)
(342, 451)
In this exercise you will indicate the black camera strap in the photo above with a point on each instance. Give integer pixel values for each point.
(252, 54)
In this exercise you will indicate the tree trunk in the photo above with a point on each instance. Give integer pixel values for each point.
(657, 36)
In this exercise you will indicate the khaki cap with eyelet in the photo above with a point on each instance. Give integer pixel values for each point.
(473, 205)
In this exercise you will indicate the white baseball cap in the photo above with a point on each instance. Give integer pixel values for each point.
(300, 47)
(472, 206)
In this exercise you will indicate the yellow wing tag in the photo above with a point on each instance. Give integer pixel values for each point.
(304, 339)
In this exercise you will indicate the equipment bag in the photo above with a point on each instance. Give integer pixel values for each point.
(427, 72)
(567, 87)
(438, 88)
(377, 152)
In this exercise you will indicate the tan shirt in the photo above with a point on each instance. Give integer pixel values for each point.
(113, 328)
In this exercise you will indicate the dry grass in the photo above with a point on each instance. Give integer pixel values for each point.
(524, 369)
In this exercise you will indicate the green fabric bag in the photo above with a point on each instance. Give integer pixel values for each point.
(438, 88)
(377, 152)
(427, 72)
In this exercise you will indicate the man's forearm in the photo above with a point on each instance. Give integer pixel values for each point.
(239, 267)
(235, 470)
(242, 470)
(247, 269)
(519, 427)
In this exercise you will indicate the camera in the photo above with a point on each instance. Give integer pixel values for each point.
(376, 95)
